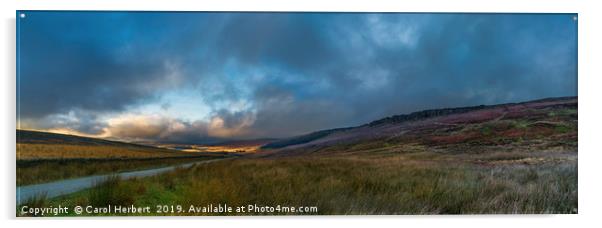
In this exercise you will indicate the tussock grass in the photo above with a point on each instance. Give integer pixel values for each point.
(111, 191)
(354, 185)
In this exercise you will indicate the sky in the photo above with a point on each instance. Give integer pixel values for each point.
(198, 77)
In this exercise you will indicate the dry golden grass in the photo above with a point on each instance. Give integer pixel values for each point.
(26, 151)
(352, 185)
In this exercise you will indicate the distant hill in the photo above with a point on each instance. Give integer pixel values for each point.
(36, 145)
(425, 114)
(40, 137)
(456, 125)
(243, 142)
(302, 139)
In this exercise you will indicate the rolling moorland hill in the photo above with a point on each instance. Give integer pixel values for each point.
(533, 125)
(39, 137)
(35, 145)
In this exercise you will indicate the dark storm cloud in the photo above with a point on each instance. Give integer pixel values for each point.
(298, 72)
(91, 61)
(292, 40)
(456, 60)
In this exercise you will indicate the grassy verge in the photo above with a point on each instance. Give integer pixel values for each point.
(350, 185)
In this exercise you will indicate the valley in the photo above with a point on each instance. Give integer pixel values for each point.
(506, 158)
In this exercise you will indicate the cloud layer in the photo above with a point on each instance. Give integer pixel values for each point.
(199, 77)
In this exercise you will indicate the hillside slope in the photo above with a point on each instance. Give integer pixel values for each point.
(35, 145)
(534, 125)
(40, 137)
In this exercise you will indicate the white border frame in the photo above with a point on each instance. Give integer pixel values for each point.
(588, 86)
